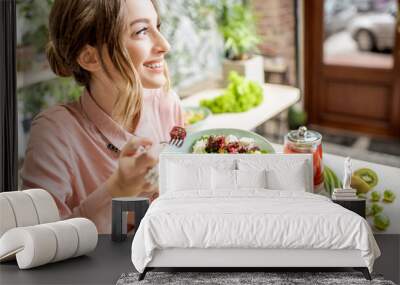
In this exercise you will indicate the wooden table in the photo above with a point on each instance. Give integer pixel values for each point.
(277, 98)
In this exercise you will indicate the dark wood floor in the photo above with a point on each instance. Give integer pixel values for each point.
(389, 262)
(106, 264)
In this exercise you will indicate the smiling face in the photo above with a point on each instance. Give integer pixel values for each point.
(113, 48)
(145, 44)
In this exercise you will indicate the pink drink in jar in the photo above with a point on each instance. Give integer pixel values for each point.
(306, 141)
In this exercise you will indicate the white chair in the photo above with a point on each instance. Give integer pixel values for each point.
(31, 231)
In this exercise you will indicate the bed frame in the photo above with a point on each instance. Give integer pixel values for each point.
(240, 259)
(260, 259)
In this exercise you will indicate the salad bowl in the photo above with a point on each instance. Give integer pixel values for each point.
(187, 147)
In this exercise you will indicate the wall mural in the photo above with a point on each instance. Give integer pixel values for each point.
(196, 54)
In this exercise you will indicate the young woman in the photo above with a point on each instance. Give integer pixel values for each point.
(86, 152)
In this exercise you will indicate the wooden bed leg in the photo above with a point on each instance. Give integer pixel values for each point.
(142, 275)
(364, 271)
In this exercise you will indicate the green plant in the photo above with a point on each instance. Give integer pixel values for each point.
(237, 25)
(296, 117)
(67, 90)
(41, 95)
(33, 99)
(35, 13)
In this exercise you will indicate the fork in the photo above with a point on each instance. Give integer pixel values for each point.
(173, 142)
(177, 135)
(177, 139)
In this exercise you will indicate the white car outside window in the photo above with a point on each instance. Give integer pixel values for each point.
(375, 31)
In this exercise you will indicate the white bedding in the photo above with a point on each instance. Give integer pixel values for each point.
(252, 218)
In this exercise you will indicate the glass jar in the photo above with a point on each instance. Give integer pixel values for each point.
(306, 141)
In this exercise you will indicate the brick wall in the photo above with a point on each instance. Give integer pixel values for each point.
(276, 25)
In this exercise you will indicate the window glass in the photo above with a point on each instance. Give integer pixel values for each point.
(359, 32)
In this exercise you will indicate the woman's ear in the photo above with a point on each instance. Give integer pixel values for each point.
(89, 59)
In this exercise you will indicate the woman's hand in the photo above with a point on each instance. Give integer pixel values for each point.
(133, 164)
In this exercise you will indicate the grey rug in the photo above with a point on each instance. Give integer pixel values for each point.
(230, 278)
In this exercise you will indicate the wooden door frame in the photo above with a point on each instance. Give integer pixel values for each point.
(396, 87)
(314, 70)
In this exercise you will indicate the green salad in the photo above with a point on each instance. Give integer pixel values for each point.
(240, 96)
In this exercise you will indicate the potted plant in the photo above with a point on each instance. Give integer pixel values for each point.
(237, 25)
(297, 117)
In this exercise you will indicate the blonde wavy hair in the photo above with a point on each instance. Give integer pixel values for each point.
(73, 24)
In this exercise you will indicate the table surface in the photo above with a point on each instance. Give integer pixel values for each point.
(277, 98)
(102, 266)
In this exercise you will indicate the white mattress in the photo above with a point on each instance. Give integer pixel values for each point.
(251, 219)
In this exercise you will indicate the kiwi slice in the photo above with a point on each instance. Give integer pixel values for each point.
(359, 184)
(368, 176)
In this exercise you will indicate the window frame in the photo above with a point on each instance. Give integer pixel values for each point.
(8, 98)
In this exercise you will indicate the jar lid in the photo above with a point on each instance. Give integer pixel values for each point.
(304, 136)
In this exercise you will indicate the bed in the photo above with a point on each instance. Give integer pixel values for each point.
(246, 211)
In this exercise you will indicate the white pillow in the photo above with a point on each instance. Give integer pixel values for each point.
(223, 179)
(251, 178)
(183, 177)
(292, 179)
(282, 173)
(228, 179)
